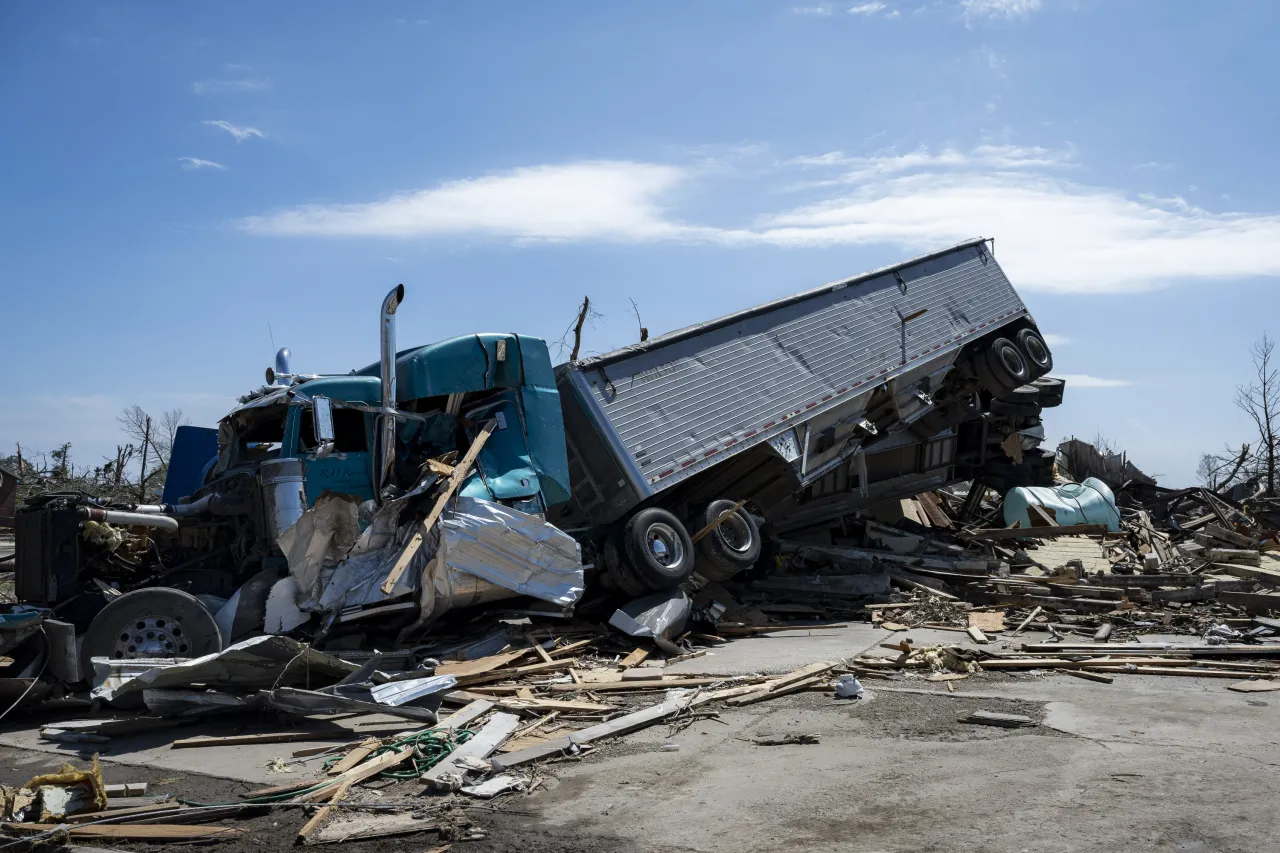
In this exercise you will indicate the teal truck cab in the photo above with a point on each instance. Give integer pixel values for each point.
(195, 572)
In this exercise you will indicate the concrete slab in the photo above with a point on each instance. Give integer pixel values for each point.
(243, 763)
(782, 651)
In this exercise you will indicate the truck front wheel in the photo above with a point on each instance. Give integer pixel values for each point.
(733, 545)
(150, 623)
(657, 548)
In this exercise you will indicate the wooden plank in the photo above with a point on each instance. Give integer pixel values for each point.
(355, 756)
(271, 737)
(358, 774)
(717, 521)
(634, 659)
(938, 518)
(322, 813)
(513, 672)
(571, 647)
(656, 684)
(1037, 532)
(1089, 675)
(975, 634)
(1253, 603)
(1027, 621)
(139, 832)
(1227, 535)
(460, 472)
(482, 744)
(802, 674)
(464, 668)
(86, 817)
(621, 725)
(767, 694)
(1239, 570)
(460, 718)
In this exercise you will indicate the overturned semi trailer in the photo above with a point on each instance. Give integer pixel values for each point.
(802, 410)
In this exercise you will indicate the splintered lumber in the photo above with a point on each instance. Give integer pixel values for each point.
(464, 715)
(482, 745)
(513, 672)
(619, 726)
(1226, 535)
(656, 684)
(563, 706)
(358, 774)
(717, 521)
(479, 666)
(747, 631)
(801, 674)
(136, 832)
(766, 694)
(1267, 575)
(1190, 672)
(355, 756)
(1089, 675)
(570, 647)
(323, 812)
(1186, 649)
(917, 582)
(1037, 532)
(1027, 621)
(1253, 603)
(460, 472)
(271, 737)
(115, 814)
(634, 658)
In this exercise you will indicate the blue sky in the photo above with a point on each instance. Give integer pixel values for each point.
(185, 182)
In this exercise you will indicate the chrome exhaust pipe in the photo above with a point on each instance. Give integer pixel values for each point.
(387, 419)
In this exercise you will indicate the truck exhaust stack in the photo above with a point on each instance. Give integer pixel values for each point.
(387, 420)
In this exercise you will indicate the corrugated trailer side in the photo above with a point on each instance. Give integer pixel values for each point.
(649, 417)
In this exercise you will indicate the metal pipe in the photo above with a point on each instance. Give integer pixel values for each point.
(140, 519)
(387, 420)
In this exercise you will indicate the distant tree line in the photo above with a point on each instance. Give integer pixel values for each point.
(135, 473)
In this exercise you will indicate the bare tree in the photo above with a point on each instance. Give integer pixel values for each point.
(1216, 471)
(644, 332)
(586, 315)
(152, 441)
(1260, 400)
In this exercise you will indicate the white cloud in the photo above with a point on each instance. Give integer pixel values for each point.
(1154, 166)
(818, 11)
(996, 9)
(983, 156)
(1082, 380)
(190, 163)
(223, 87)
(995, 62)
(867, 8)
(595, 200)
(1055, 340)
(1051, 234)
(240, 133)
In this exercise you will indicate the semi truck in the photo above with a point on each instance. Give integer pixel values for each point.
(787, 416)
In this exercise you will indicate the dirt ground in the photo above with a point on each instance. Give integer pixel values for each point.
(1154, 764)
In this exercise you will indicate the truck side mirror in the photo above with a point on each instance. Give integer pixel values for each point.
(323, 419)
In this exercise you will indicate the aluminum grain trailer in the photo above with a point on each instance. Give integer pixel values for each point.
(807, 408)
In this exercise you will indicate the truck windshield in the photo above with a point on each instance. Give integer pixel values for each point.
(349, 434)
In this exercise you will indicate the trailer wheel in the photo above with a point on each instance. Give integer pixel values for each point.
(1036, 352)
(1006, 363)
(657, 548)
(734, 545)
(150, 623)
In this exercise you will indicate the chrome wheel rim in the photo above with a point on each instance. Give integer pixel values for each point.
(735, 533)
(151, 637)
(664, 545)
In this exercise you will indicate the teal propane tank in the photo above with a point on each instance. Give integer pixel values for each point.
(1090, 502)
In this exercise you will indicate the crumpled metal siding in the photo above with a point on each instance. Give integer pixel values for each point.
(512, 549)
(679, 407)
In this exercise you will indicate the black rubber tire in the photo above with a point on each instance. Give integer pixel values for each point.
(640, 533)
(1035, 351)
(1050, 391)
(195, 622)
(1006, 363)
(617, 569)
(734, 546)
